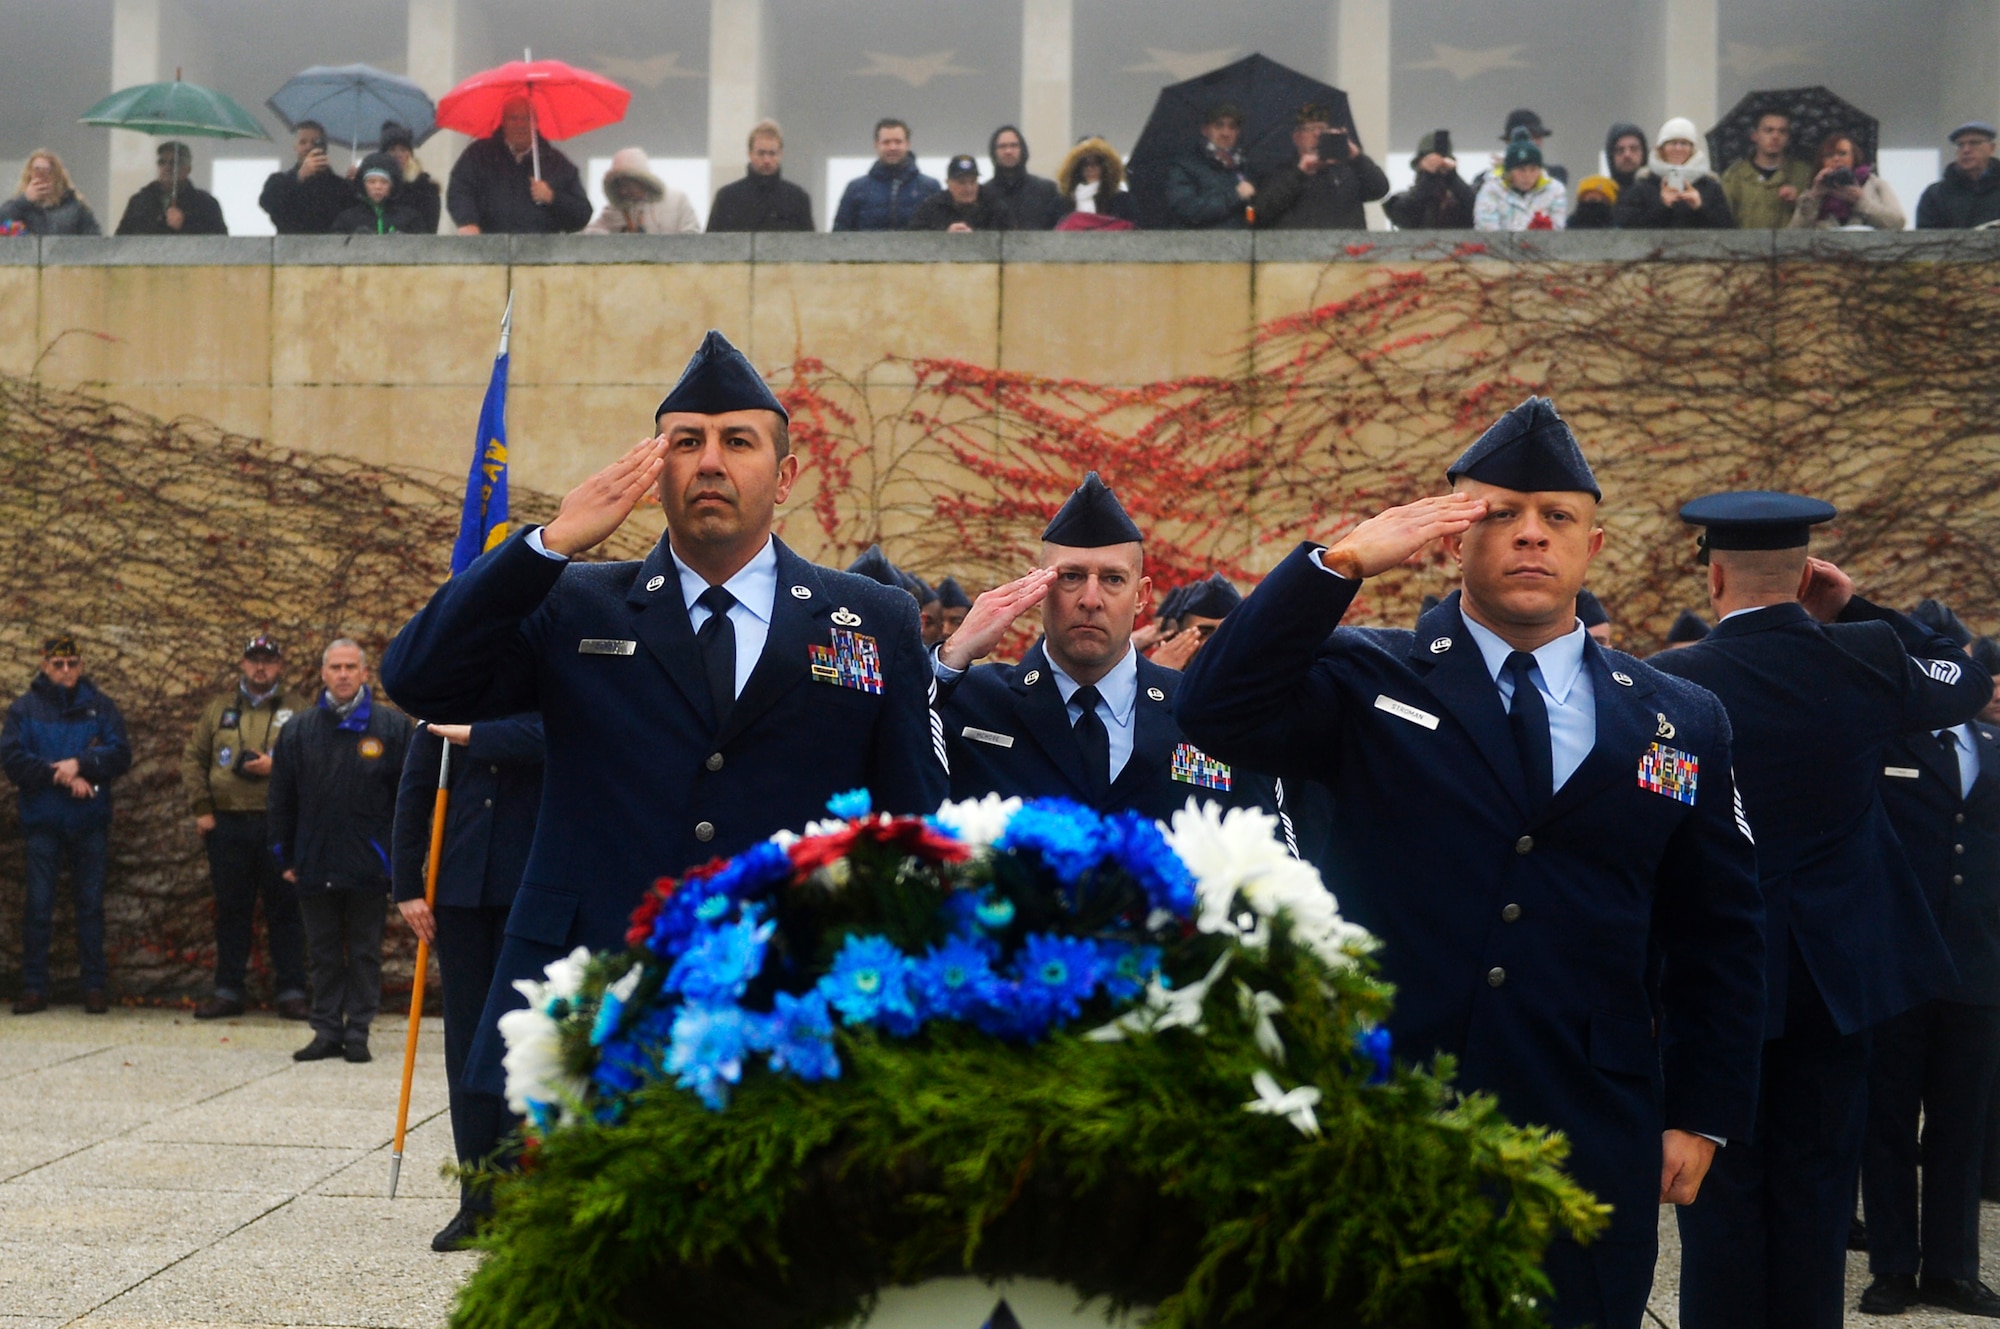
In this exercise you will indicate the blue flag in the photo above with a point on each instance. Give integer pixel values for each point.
(484, 521)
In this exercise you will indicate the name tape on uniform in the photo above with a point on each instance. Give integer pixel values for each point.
(988, 736)
(605, 646)
(1903, 772)
(1405, 711)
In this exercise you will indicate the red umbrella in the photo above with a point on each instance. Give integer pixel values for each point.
(565, 101)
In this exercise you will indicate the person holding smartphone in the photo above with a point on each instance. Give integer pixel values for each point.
(1676, 189)
(306, 198)
(1441, 199)
(1322, 190)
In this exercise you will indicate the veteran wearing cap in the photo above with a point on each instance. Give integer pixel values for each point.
(1527, 819)
(226, 776)
(1083, 716)
(1817, 682)
(693, 703)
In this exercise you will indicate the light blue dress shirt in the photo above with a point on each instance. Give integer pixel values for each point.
(1117, 698)
(1566, 690)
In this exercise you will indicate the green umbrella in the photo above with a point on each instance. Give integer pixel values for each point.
(176, 108)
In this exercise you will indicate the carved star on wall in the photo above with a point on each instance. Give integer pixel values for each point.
(1463, 64)
(915, 70)
(652, 71)
(1749, 61)
(1182, 65)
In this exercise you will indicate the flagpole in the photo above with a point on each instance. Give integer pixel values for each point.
(438, 809)
(534, 132)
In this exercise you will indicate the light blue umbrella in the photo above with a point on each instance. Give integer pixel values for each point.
(352, 101)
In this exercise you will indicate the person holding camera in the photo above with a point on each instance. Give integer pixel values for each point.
(1441, 199)
(1324, 189)
(308, 197)
(1847, 192)
(226, 774)
(1675, 190)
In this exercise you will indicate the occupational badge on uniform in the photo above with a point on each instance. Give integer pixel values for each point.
(222, 756)
(1156, 694)
(230, 719)
(851, 661)
(1666, 729)
(1669, 771)
(1032, 677)
(605, 646)
(801, 593)
(1623, 680)
(282, 718)
(1441, 645)
(1944, 671)
(371, 747)
(655, 583)
(1195, 767)
(846, 617)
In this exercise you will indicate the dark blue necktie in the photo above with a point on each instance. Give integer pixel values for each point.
(717, 640)
(1095, 742)
(1949, 742)
(1528, 717)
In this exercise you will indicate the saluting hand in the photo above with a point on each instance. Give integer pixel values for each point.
(1177, 650)
(595, 509)
(1390, 539)
(990, 617)
(1827, 590)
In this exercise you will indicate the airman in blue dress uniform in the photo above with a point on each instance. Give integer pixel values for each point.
(1818, 683)
(1528, 820)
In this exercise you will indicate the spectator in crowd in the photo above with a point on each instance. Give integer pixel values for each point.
(1595, 206)
(378, 211)
(1209, 188)
(1030, 202)
(953, 602)
(637, 202)
(496, 793)
(1846, 191)
(1624, 153)
(1440, 199)
(171, 205)
(1524, 123)
(46, 202)
(226, 774)
(1092, 185)
(889, 195)
(1521, 195)
(763, 200)
(1325, 188)
(415, 189)
(963, 206)
(62, 745)
(333, 797)
(1763, 188)
(307, 197)
(1676, 189)
(496, 190)
(1968, 193)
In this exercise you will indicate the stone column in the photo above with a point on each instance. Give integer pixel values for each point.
(1969, 88)
(431, 59)
(135, 58)
(1359, 46)
(736, 85)
(1690, 60)
(1048, 39)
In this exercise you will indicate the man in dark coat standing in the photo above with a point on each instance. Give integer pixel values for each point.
(495, 784)
(1209, 188)
(763, 200)
(1528, 821)
(889, 195)
(1968, 193)
(1030, 202)
(495, 188)
(962, 206)
(1937, 1060)
(693, 704)
(171, 205)
(1326, 186)
(1818, 683)
(306, 197)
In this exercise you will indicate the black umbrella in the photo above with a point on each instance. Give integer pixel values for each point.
(1267, 93)
(1815, 113)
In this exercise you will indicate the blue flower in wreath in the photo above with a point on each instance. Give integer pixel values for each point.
(1126, 968)
(621, 1069)
(854, 803)
(1057, 974)
(954, 980)
(798, 1035)
(869, 984)
(1068, 836)
(1139, 848)
(719, 963)
(1374, 1045)
(706, 1055)
(745, 876)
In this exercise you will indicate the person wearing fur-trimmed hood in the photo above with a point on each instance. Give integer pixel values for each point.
(637, 202)
(1092, 184)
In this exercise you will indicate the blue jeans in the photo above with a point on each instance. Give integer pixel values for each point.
(48, 846)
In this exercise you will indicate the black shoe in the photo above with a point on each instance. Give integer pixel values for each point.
(1889, 1294)
(457, 1235)
(218, 1008)
(318, 1050)
(294, 1008)
(1857, 1233)
(31, 1003)
(356, 1051)
(1967, 1296)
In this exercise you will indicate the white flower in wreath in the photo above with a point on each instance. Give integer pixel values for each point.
(534, 1064)
(978, 821)
(1295, 1105)
(1238, 854)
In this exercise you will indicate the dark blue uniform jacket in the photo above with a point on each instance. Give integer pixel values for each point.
(1007, 731)
(1814, 706)
(496, 789)
(1953, 845)
(1519, 944)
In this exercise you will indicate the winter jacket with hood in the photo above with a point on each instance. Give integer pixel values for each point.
(1110, 199)
(1959, 202)
(761, 203)
(49, 723)
(884, 199)
(1030, 202)
(1501, 207)
(333, 794)
(72, 216)
(1640, 209)
(1621, 130)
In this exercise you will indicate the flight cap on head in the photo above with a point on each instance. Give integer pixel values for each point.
(951, 595)
(1590, 610)
(919, 590)
(1986, 654)
(719, 379)
(1690, 626)
(1756, 519)
(1170, 603)
(1428, 603)
(875, 565)
(1934, 615)
(1213, 598)
(1091, 519)
(1529, 450)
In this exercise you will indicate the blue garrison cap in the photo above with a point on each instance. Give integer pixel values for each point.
(875, 565)
(1986, 654)
(917, 587)
(951, 595)
(1171, 602)
(1690, 626)
(1590, 609)
(720, 378)
(1939, 619)
(1213, 598)
(1091, 519)
(1528, 450)
(1756, 519)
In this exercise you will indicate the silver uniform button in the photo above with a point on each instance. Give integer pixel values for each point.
(1957, 880)
(1958, 849)
(1511, 914)
(714, 762)
(1958, 819)
(489, 802)
(1525, 844)
(1495, 977)
(655, 583)
(704, 831)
